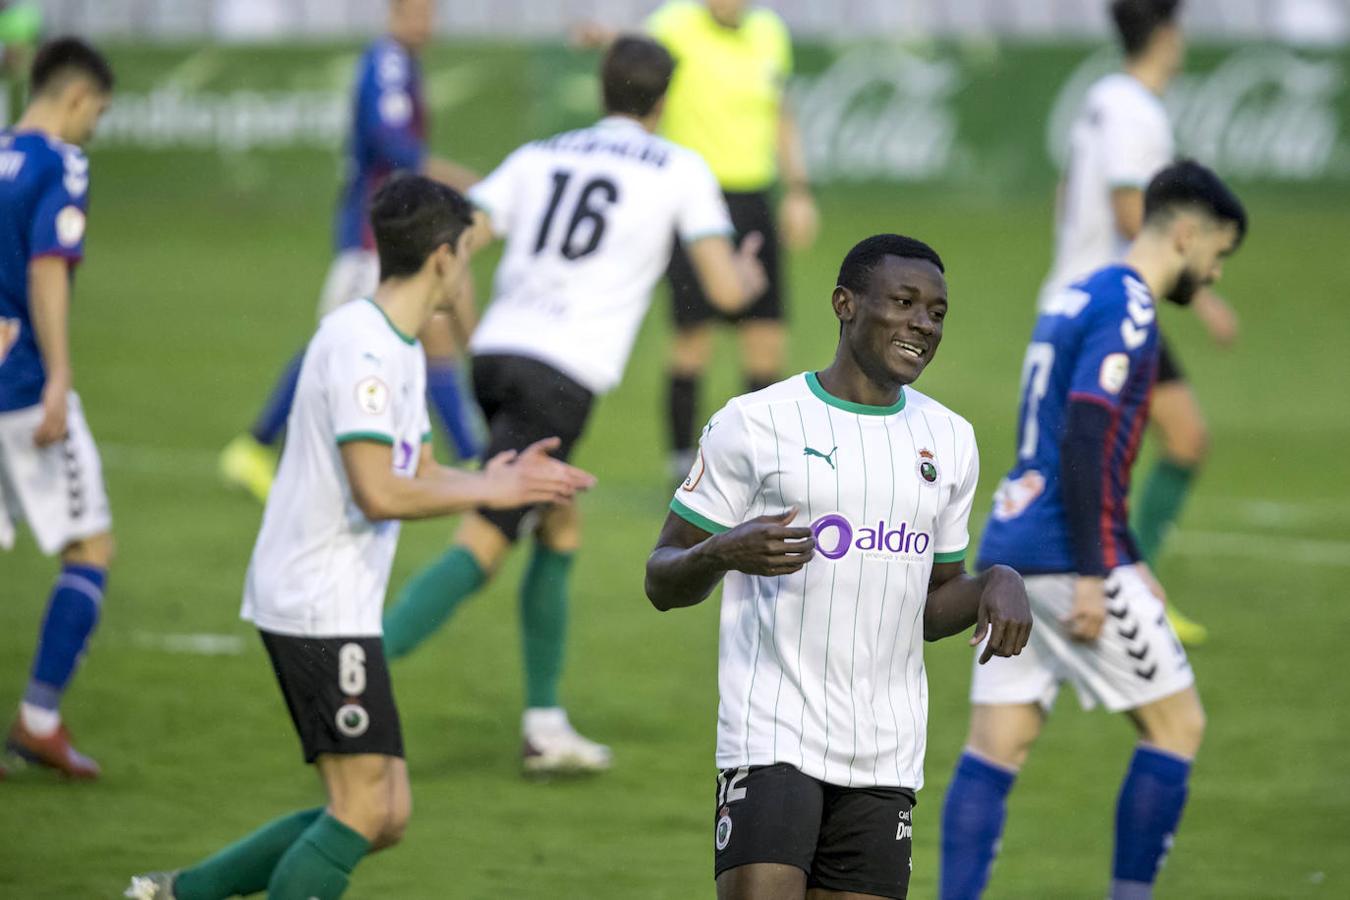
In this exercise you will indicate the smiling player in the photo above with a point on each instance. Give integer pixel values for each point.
(835, 506)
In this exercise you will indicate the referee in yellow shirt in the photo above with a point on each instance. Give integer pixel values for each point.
(726, 101)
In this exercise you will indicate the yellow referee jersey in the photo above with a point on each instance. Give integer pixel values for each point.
(726, 94)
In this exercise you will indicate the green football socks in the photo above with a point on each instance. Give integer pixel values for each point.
(428, 599)
(245, 867)
(1159, 505)
(543, 624)
(318, 865)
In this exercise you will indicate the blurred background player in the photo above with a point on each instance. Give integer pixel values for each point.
(811, 791)
(389, 133)
(359, 460)
(1059, 519)
(727, 102)
(1120, 139)
(588, 217)
(20, 25)
(50, 473)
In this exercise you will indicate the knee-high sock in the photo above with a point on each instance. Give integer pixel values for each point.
(429, 598)
(1147, 814)
(72, 613)
(972, 823)
(543, 623)
(244, 867)
(682, 398)
(319, 863)
(446, 394)
(270, 422)
(1160, 503)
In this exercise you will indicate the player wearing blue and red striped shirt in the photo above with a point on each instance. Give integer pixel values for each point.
(388, 135)
(50, 476)
(1060, 519)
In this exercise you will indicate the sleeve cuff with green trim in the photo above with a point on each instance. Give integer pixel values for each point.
(952, 556)
(698, 520)
(426, 437)
(372, 436)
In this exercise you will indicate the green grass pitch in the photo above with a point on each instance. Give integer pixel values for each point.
(201, 281)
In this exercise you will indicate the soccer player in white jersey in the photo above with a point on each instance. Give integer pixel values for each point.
(50, 474)
(589, 217)
(357, 461)
(834, 504)
(1120, 139)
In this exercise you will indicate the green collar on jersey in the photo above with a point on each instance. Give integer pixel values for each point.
(861, 409)
(405, 338)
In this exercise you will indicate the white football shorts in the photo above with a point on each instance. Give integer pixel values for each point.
(1136, 660)
(57, 489)
(353, 274)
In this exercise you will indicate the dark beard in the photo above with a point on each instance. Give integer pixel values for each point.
(1184, 291)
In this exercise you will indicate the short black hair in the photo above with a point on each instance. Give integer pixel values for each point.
(411, 216)
(868, 253)
(635, 75)
(62, 57)
(1137, 20)
(1186, 184)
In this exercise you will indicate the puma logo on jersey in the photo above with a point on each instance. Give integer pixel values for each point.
(828, 457)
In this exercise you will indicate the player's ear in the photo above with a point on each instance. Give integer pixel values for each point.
(845, 303)
(464, 245)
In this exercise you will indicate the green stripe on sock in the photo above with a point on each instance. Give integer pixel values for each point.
(244, 867)
(428, 599)
(1160, 504)
(543, 623)
(317, 866)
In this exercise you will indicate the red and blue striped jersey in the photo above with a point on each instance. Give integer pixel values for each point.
(1095, 342)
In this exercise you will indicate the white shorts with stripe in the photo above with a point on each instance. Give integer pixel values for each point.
(353, 274)
(57, 489)
(1136, 660)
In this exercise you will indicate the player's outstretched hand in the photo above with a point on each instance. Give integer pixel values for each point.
(1004, 615)
(767, 545)
(52, 428)
(1085, 618)
(532, 476)
(754, 280)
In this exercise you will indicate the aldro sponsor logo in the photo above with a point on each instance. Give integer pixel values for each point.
(837, 537)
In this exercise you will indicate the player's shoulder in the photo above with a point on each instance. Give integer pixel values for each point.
(759, 405)
(761, 20)
(1123, 95)
(674, 17)
(52, 158)
(1112, 286)
(386, 63)
(356, 327)
(918, 401)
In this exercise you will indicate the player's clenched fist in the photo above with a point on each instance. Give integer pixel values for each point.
(767, 545)
(1088, 612)
(532, 476)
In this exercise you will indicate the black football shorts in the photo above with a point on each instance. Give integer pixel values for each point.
(855, 839)
(338, 693)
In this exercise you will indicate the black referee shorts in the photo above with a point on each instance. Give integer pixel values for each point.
(749, 212)
(523, 401)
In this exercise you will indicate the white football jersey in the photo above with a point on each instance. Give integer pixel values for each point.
(320, 568)
(589, 218)
(823, 669)
(1120, 139)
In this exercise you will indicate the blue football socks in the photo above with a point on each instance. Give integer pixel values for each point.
(972, 823)
(447, 396)
(72, 613)
(272, 419)
(1147, 813)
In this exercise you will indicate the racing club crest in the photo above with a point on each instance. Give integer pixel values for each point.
(927, 467)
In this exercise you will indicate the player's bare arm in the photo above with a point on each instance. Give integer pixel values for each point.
(1127, 209)
(688, 561)
(994, 601)
(508, 480)
(49, 299)
(447, 171)
(797, 210)
(1218, 317)
(732, 278)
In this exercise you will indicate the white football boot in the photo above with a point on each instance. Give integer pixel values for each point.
(553, 747)
(151, 886)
